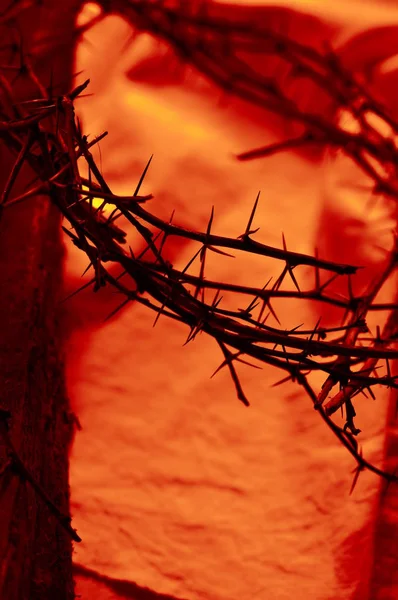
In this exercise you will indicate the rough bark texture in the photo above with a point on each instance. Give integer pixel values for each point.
(35, 552)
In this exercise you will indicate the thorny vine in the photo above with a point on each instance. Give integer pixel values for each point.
(46, 134)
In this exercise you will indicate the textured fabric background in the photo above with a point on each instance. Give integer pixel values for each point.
(175, 485)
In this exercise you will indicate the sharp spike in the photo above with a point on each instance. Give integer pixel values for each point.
(209, 224)
(87, 268)
(113, 313)
(281, 381)
(191, 261)
(218, 251)
(290, 269)
(250, 221)
(248, 230)
(273, 312)
(239, 390)
(137, 189)
(357, 472)
(216, 300)
(80, 289)
(160, 311)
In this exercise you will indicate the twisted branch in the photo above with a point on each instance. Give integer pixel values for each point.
(48, 137)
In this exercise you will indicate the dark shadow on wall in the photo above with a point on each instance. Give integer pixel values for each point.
(90, 584)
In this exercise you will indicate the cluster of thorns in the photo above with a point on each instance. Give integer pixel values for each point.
(46, 134)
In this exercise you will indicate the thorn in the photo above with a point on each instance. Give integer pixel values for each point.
(87, 268)
(201, 272)
(249, 364)
(264, 304)
(191, 261)
(137, 189)
(285, 353)
(69, 233)
(290, 269)
(165, 235)
(280, 279)
(281, 381)
(239, 390)
(113, 313)
(273, 313)
(250, 221)
(80, 289)
(209, 224)
(218, 251)
(245, 236)
(316, 328)
(253, 304)
(328, 282)
(160, 311)
(284, 242)
(78, 90)
(194, 332)
(248, 310)
(150, 247)
(122, 274)
(357, 472)
(313, 332)
(248, 230)
(216, 300)
(232, 357)
(267, 283)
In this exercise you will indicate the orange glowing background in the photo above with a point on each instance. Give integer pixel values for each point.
(175, 485)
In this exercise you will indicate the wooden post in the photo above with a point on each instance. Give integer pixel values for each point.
(35, 550)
